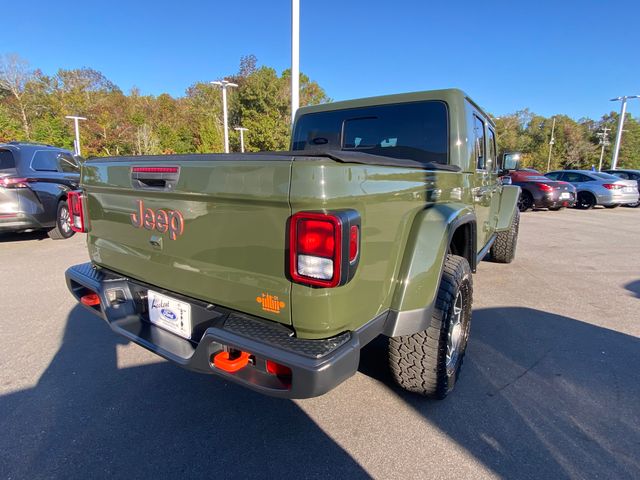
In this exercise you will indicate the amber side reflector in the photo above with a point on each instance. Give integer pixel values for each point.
(231, 363)
(90, 300)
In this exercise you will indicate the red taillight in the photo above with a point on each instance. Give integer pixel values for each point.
(613, 186)
(76, 211)
(544, 187)
(14, 182)
(154, 169)
(317, 237)
(354, 243)
(315, 249)
(90, 300)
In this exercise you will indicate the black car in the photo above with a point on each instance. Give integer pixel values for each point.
(539, 191)
(627, 174)
(34, 181)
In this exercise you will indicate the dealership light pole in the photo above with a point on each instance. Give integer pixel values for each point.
(623, 111)
(552, 140)
(76, 142)
(224, 85)
(295, 57)
(241, 130)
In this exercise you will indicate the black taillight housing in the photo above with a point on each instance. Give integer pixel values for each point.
(324, 247)
(77, 214)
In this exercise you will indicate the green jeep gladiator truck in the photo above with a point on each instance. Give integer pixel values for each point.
(273, 270)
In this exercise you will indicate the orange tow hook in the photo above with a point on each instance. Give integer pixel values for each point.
(90, 300)
(231, 362)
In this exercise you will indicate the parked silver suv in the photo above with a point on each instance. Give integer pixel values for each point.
(597, 188)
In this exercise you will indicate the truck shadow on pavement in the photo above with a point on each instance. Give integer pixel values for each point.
(24, 237)
(634, 287)
(88, 419)
(540, 396)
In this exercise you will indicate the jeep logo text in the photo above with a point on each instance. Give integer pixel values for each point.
(163, 221)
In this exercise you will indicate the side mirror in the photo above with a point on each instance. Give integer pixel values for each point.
(511, 161)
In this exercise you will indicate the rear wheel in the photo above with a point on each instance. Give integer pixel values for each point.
(633, 205)
(555, 209)
(429, 362)
(503, 249)
(525, 202)
(585, 201)
(62, 229)
(615, 205)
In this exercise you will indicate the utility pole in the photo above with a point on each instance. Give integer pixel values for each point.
(623, 112)
(604, 141)
(76, 142)
(295, 58)
(224, 85)
(241, 130)
(552, 140)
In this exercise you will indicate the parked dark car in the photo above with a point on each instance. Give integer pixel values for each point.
(598, 188)
(539, 191)
(627, 174)
(34, 181)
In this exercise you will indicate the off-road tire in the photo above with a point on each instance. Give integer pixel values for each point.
(418, 362)
(59, 232)
(503, 249)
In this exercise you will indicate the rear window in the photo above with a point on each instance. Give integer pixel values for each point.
(414, 131)
(7, 161)
(606, 176)
(45, 161)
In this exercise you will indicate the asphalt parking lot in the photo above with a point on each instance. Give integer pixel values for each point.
(550, 387)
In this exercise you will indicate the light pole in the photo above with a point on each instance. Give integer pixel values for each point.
(604, 141)
(225, 84)
(241, 130)
(552, 140)
(623, 111)
(76, 142)
(295, 57)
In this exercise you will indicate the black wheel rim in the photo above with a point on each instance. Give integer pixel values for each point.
(456, 334)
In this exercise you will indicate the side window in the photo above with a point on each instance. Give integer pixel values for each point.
(45, 161)
(6, 160)
(624, 175)
(553, 175)
(68, 164)
(478, 141)
(492, 157)
(585, 178)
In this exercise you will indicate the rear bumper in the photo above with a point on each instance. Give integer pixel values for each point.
(316, 366)
(553, 200)
(614, 198)
(15, 222)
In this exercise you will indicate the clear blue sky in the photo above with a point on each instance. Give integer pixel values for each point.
(556, 56)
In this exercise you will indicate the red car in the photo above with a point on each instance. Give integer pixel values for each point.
(539, 191)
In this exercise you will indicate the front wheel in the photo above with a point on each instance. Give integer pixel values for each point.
(62, 229)
(633, 205)
(429, 362)
(615, 205)
(503, 249)
(555, 209)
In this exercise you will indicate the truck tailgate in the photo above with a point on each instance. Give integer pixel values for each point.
(214, 231)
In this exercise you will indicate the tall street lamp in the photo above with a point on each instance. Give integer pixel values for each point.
(224, 85)
(552, 140)
(76, 142)
(623, 111)
(241, 130)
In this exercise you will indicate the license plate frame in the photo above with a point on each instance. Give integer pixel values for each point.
(565, 196)
(169, 313)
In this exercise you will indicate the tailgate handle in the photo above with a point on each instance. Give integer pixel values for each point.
(155, 177)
